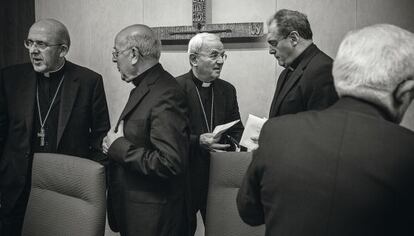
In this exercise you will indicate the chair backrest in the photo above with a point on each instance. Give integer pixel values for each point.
(67, 197)
(226, 174)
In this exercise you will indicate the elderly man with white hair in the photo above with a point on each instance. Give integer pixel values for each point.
(212, 101)
(347, 170)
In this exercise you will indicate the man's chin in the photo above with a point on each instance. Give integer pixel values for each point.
(40, 69)
(281, 63)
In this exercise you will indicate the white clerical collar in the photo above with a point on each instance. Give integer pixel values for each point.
(47, 74)
(206, 84)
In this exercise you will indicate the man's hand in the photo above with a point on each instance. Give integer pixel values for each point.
(210, 142)
(255, 140)
(111, 136)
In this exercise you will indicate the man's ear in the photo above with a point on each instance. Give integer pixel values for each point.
(63, 50)
(193, 59)
(404, 93)
(135, 55)
(294, 37)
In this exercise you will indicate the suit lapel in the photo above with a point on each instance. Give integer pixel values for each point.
(293, 79)
(135, 97)
(70, 88)
(138, 93)
(29, 97)
(280, 81)
(219, 97)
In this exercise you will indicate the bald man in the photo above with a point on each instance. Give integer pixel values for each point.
(148, 147)
(48, 105)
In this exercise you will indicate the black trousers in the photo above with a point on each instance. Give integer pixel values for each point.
(11, 223)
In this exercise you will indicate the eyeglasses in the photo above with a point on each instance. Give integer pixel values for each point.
(275, 42)
(214, 56)
(116, 53)
(39, 44)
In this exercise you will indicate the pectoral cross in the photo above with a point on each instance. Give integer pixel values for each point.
(42, 135)
(231, 32)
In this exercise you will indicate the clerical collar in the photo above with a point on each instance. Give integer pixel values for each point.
(304, 54)
(199, 83)
(141, 76)
(50, 73)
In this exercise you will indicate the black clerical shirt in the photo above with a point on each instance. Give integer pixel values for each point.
(47, 87)
(206, 98)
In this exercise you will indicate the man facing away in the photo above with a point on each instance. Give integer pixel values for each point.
(212, 101)
(50, 105)
(347, 170)
(148, 147)
(306, 82)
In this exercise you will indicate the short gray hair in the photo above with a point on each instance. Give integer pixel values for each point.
(373, 61)
(148, 45)
(196, 43)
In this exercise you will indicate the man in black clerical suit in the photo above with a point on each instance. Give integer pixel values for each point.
(346, 170)
(50, 105)
(306, 82)
(148, 147)
(212, 101)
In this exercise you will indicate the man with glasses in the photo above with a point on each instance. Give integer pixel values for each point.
(212, 102)
(48, 105)
(306, 82)
(148, 147)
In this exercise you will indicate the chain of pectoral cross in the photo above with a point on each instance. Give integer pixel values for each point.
(42, 133)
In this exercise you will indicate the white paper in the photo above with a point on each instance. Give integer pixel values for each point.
(220, 129)
(253, 126)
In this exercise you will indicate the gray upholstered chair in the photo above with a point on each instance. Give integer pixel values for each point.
(67, 197)
(226, 174)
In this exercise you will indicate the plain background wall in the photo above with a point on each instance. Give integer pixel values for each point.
(16, 17)
(93, 25)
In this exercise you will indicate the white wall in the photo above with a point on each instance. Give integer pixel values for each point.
(93, 25)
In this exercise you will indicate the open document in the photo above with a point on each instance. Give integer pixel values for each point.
(253, 126)
(220, 129)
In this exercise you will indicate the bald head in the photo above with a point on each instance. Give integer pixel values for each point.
(142, 37)
(55, 31)
(48, 43)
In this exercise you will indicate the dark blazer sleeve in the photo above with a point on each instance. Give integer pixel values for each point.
(100, 120)
(320, 92)
(3, 115)
(237, 130)
(248, 198)
(167, 155)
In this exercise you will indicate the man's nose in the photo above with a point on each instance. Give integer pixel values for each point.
(272, 50)
(33, 49)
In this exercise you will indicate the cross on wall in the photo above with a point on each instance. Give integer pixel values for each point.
(229, 32)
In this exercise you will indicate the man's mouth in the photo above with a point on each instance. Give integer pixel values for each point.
(37, 60)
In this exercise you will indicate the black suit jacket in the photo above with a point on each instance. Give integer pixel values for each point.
(226, 109)
(148, 166)
(342, 171)
(83, 122)
(309, 86)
